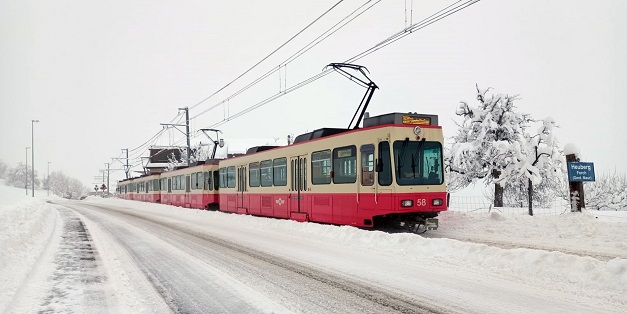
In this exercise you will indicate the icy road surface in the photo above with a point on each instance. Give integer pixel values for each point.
(108, 255)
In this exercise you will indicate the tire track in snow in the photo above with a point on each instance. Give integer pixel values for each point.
(76, 284)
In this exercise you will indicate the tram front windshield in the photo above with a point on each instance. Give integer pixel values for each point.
(418, 162)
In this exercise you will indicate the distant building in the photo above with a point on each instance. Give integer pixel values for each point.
(160, 156)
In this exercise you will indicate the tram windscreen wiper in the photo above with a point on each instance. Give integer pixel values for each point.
(414, 162)
(401, 156)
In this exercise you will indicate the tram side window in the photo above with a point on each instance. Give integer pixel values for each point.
(155, 185)
(230, 173)
(345, 164)
(222, 177)
(266, 172)
(194, 181)
(367, 165)
(253, 174)
(207, 181)
(279, 170)
(385, 175)
(321, 167)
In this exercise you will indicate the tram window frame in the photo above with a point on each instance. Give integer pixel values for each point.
(206, 180)
(254, 175)
(318, 175)
(267, 166)
(279, 171)
(230, 177)
(222, 176)
(385, 175)
(345, 167)
(367, 164)
(216, 181)
(200, 180)
(194, 181)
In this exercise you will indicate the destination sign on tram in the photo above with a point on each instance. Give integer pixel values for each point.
(416, 120)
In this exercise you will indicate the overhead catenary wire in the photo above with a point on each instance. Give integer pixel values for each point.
(269, 55)
(293, 57)
(326, 34)
(445, 12)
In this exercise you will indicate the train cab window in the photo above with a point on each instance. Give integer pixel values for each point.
(345, 164)
(367, 164)
(418, 162)
(265, 171)
(216, 179)
(321, 167)
(385, 173)
(230, 177)
(279, 171)
(155, 185)
(253, 174)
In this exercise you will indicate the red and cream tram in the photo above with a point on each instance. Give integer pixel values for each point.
(191, 186)
(388, 172)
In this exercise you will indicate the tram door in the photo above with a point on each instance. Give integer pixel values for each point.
(242, 184)
(298, 183)
(367, 185)
(384, 188)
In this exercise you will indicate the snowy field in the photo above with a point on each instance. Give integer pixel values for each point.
(577, 260)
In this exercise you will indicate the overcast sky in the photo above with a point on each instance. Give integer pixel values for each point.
(102, 75)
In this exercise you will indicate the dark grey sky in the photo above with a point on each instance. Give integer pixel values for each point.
(102, 75)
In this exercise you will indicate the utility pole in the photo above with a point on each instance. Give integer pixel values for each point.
(26, 172)
(106, 163)
(126, 168)
(187, 133)
(33, 155)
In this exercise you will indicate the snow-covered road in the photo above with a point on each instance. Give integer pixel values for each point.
(109, 255)
(197, 272)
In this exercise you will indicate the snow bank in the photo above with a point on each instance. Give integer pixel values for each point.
(26, 223)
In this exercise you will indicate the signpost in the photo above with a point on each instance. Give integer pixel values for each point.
(578, 172)
(581, 172)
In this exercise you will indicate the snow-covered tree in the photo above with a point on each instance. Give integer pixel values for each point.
(493, 145)
(198, 152)
(3, 169)
(489, 138)
(537, 172)
(64, 186)
(608, 192)
(19, 176)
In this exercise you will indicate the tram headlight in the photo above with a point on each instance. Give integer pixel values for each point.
(407, 203)
(437, 202)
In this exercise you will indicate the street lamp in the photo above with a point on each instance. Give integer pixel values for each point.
(48, 180)
(26, 172)
(33, 154)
